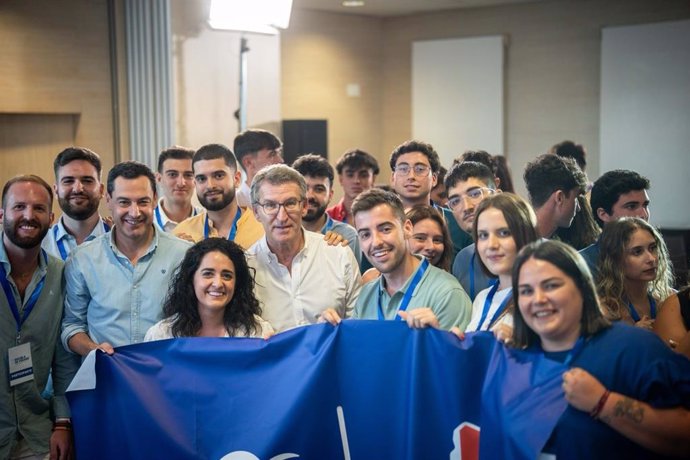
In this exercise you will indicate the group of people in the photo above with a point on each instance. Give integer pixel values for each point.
(267, 251)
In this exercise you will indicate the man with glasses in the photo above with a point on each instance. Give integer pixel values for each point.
(415, 166)
(298, 275)
(468, 183)
(255, 149)
(216, 177)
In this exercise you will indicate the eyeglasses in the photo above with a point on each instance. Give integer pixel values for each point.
(291, 206)
(419, 169)
(473, 195)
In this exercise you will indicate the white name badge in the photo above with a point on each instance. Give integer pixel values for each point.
(21, 364)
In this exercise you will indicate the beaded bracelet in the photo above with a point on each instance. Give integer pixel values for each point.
(600, 405)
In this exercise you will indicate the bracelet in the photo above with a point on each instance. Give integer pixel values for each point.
(62, 428)
(600, 405)
(65, 425)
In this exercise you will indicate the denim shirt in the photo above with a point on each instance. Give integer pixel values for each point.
(112, 300)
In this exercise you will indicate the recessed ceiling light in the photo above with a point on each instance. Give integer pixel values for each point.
(353, 3)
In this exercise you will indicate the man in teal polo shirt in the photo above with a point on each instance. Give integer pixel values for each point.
(410, 288)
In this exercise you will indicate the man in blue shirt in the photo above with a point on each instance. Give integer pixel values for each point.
(319, 175)
(467, 184)
(115, 284)
(79, 191)
(618, 193)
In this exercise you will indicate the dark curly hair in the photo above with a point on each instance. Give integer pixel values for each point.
(181, 301)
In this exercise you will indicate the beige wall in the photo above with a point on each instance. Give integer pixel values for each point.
(54, 84)
(321, 54)
(551, 72)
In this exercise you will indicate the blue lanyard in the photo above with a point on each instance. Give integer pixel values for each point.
(487, 306)
(329, 225)
(61, 245)
(472, 290)
(652, 309)
(572, 354)
(408, 293)
(159, 220)
(233, 229)
(12, 301)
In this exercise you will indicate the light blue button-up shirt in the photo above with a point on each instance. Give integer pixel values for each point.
(58, 236)
(110, 299)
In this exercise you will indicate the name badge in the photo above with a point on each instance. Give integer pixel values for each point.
(21, 364)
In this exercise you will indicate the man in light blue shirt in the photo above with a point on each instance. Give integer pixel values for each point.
(319, 175)
(116, 284)
(79, 191)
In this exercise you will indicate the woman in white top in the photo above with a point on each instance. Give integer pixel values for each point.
(211, 295)
(503, 224)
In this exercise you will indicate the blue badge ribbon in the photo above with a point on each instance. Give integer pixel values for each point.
(487, 306)
(652, 309)
(233, 229)
(12, 301)
(408, 293)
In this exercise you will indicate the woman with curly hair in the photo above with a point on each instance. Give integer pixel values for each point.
(634, 271)
(211, 295)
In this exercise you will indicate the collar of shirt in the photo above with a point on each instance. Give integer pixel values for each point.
(268, 257)
(164, 216)
(152, 247)
(62, 232)
(403, 289)
(5, 261)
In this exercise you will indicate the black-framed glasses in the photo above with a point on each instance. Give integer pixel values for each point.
(291, 206)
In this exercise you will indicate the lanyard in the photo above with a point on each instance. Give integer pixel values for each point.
(159, 219)
(572, 354)
(233, 229)
(652, 309)
(12, 301)
(408, 293)
(329, 225)
(487, 306)
(61, 244)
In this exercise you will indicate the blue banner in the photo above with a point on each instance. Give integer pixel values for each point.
(362, 390)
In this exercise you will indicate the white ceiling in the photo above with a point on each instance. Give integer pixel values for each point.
(383, 8)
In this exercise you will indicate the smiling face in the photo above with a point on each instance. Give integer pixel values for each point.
(176, 180)
(550, 303)
(78, 189)
(413, 187)
(131, 205)
(495, 244)
(214, 282)
(283, 227)
(382, 237)
(641, 258)
(427, 240)
(26, 216)
(215, 183)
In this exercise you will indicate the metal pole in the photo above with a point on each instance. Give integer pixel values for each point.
(244, 49)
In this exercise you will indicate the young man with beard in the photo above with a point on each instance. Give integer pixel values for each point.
(415, 166)
(217, 178)
(79, 191)
(298, 274)
(409, 288)
(318, 174)
(30, 313)
(468, 183)
(115, 285)
(175, 178)
(357, 171)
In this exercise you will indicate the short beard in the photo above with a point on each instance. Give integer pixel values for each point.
(314, 215)
(81, 213)
(228, 198)
(24, 243)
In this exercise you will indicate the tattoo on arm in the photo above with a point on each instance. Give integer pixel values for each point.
(630, 409)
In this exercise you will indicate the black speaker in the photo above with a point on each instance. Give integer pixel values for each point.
(304, 136)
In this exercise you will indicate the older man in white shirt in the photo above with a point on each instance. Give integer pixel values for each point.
(298, 275)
